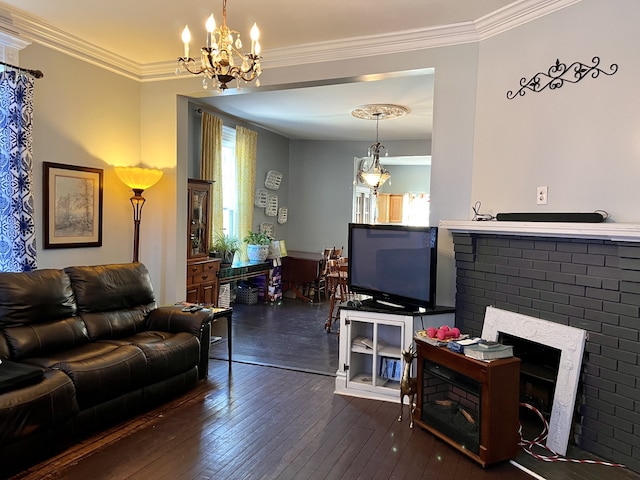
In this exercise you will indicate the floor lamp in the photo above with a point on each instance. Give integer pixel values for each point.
(137, 179)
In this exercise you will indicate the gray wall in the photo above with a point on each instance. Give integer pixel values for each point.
(321, 189)
(272, 154)
(407, 178)
(580, 140)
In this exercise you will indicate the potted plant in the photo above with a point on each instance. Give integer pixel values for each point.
(225, 247)
(257, 246)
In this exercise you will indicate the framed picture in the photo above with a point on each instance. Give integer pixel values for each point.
(72, 206)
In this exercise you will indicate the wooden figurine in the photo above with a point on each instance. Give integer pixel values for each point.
(408, 385)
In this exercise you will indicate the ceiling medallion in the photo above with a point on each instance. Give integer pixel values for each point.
(379, 111)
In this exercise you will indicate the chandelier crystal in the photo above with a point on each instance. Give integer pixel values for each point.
(221, 60)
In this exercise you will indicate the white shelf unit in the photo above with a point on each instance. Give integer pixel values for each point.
(359, 373)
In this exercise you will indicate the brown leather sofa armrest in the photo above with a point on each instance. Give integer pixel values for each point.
(173, 319)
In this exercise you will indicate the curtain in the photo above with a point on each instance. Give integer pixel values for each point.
(246, 146)
(17, 226)
(211, 168)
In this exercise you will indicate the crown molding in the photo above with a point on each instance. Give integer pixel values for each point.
(517, 14)
(31, 29)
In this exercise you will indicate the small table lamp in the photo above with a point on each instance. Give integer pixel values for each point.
(138, 179)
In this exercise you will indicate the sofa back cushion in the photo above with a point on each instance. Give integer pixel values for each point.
(38, 314)
(45, 338)
(33, 297)
(113, 300)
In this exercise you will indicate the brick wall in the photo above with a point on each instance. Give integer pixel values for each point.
(589, 284)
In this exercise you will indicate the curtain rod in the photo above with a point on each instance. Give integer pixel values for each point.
(34, 73)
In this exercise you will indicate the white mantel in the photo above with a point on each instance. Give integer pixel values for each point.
(621, 232)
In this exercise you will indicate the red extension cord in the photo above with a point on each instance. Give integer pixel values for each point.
(528, 445)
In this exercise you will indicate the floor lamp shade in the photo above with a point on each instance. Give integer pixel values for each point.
(138, 179)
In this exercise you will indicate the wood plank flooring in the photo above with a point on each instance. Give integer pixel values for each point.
(267, 423)
(289, 335)
(255, 421)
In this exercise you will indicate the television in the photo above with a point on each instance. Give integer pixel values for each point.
(393, 264)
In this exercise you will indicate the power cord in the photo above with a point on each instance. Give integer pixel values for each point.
(480, 217)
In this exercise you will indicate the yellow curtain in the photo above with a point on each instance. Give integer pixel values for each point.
(211, 168)
(246, 146)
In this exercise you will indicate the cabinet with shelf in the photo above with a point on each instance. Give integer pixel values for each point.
(470, 404)
(202, 271)
(371, 344)
(202, 281)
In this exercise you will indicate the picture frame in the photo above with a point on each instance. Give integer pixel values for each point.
(72, 205)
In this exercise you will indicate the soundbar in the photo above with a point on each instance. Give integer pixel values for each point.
(594, 217)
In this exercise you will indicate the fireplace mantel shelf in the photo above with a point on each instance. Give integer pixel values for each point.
(621, 232)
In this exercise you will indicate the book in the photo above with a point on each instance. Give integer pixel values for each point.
(481, 353)
(362, 341)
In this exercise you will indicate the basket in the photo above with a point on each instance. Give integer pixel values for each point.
(247, 295)
(273, 180)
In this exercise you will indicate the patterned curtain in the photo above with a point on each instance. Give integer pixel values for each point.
(246, 147)
(17, 228)
(211, 168)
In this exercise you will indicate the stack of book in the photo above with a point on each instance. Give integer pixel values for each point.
(485, 350)
(363, 342)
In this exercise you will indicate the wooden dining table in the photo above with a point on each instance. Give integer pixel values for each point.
(299, 268)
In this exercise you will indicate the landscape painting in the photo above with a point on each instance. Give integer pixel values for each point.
(72, 206)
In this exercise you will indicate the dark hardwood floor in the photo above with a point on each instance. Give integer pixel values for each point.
(289, 335)
(264, 422)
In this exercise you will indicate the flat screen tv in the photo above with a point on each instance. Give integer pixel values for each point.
(394, 264)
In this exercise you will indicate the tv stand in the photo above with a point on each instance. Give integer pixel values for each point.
(371, 344)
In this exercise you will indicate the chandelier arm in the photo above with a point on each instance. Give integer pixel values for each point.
(193, 70)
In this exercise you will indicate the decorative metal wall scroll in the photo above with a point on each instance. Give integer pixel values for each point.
(558, 74)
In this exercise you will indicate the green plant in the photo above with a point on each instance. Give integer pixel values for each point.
(225, 243)
(257, 238)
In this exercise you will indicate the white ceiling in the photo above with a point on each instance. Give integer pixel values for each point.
(145, 34)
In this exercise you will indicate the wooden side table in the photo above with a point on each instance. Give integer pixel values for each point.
(216, 314)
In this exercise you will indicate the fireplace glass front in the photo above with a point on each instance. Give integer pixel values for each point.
(451, 404)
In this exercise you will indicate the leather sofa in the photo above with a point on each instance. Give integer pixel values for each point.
(100, 348)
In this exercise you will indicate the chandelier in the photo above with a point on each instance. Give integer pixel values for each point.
(373, 173)
(221, 60)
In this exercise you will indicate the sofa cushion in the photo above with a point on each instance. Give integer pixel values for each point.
(168, 354)
(115, 324)
(113, 300)
(34, 297)
(44, 338)
(26, 410)
(99, 371)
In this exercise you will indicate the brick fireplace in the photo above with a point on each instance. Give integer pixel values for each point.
(581, 275)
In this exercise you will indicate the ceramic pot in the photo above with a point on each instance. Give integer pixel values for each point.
(257, 253)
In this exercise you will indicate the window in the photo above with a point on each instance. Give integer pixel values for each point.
(229, 197)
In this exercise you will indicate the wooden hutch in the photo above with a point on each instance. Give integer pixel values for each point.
(202, 271)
